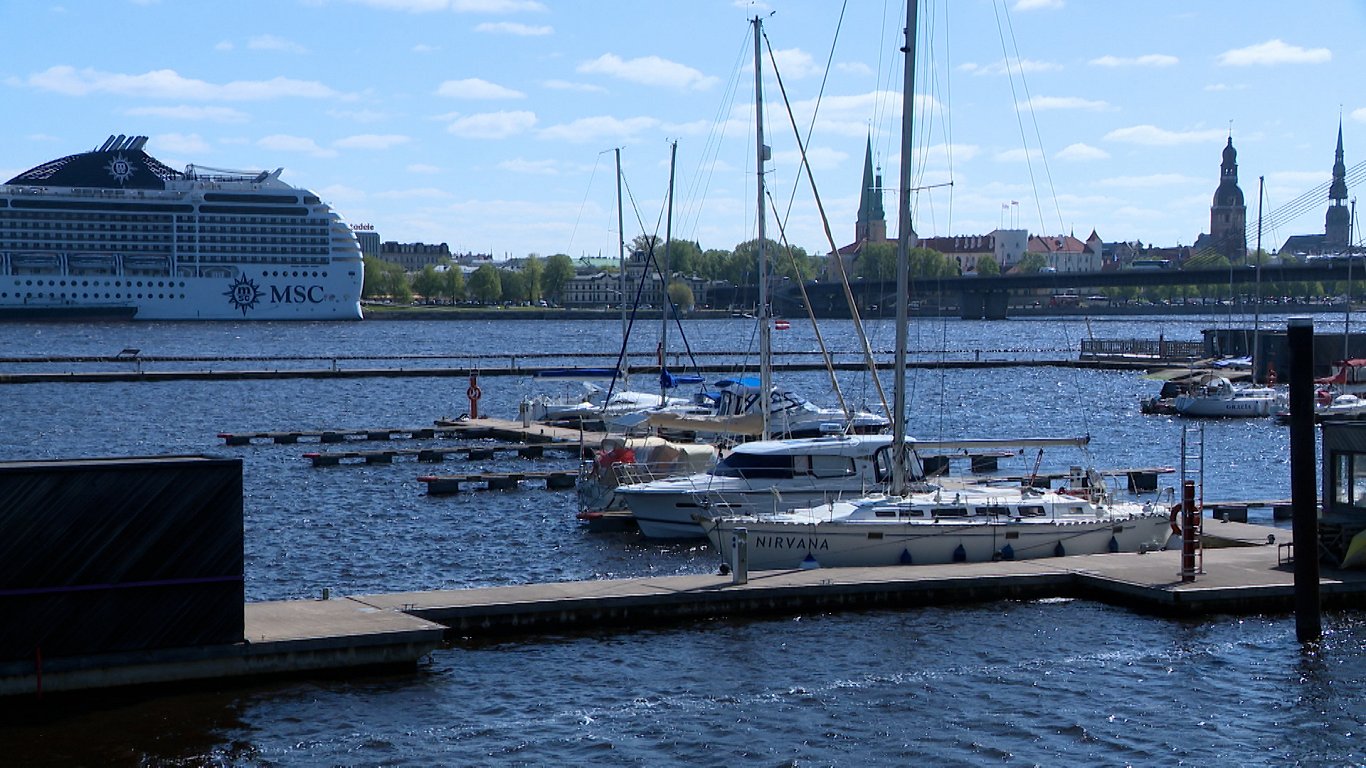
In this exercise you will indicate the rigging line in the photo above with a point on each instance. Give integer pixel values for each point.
(820, 341)
(820, 95)
(592, 174)
(1311, 199)
(1034, 118)
(834, 249)
(1015, 99)
(711, 149)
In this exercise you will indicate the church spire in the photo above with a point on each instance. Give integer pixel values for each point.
(872, 220)
(1337, 223)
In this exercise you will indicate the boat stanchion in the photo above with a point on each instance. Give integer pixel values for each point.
(739, 556)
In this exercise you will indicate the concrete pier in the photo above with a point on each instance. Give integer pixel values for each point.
(282, 638)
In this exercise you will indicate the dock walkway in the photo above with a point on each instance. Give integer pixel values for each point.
(1245, 571)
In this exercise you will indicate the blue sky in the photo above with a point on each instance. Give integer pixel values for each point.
(489, 124)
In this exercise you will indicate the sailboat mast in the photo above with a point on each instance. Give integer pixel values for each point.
(666, 305)
(903, 246)
(1257, 306)
(765, 328)
(621, 251)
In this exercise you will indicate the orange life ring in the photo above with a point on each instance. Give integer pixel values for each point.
(1175, 517)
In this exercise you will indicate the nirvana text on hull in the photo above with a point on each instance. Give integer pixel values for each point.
(115, 232)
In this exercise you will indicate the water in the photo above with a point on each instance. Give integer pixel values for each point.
(1047, 682)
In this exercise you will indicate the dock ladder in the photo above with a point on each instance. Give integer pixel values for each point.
(1193, 469)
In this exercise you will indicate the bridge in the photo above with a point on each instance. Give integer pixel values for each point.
(990, 297)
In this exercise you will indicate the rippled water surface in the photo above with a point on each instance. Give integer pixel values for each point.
(1046, 683)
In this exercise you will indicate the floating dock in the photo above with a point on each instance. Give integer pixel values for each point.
(438, 485)
(437, 455)
(1246, 570)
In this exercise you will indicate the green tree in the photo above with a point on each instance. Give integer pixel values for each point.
(1032, 263)
(559, 270)
(681, 295)
(929, 264)
(384, 279)
(532, 270)
(876, 261)
(987, 266)
(453, 283)
(513, 284)
(485, 284)
(428, 283)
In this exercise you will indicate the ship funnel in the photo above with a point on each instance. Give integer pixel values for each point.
(109, 142)
(138, 143)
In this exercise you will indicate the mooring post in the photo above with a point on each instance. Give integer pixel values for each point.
(739, 556)
(1190, 521)
(474, 393)
(1303, 480)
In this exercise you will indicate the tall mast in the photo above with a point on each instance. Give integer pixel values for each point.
(1257, 306)
(765, 327)
(903, 246)
(666, 305)
(621, 252)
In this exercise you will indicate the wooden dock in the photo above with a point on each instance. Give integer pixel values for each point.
(345, 435)
(1245, 572)
(437, 455)
(439, 485)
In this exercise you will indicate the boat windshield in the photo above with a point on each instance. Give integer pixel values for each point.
(751, 465)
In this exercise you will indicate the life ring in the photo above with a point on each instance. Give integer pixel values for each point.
(1175, 517)
(474, 393)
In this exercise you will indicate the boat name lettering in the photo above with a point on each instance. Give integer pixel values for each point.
(296, 294)
(791, 542)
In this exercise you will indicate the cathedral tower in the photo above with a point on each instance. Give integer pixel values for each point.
(1337, 223)
(1228, 214)
(872, 221)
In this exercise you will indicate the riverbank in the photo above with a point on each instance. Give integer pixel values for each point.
(419, 312)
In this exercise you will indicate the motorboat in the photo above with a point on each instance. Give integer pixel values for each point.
(934, 524)
(1216, 396)
(736, 409)
(622, 460)
(772, 476)
(762, 475)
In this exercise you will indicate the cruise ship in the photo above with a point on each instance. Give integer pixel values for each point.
(115, 233)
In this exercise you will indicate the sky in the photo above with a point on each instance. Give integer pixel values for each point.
(490, 125)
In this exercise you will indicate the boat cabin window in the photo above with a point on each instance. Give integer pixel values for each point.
(993, 511)
(895, 512)
(823, 466)
(951, 512)
(882, 465)
(754, 466)
(1032, 510)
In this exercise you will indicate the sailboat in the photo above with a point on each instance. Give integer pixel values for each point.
(744, 406)
(923, 522)
(597, 405)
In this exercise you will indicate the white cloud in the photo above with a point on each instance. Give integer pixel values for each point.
(192, 144)
(1039, 5)
(168, 84)
(186, 112)
(415, 193)
(820, 158)
(1274, 52)
(1152, 136)
(531, 167)
(1359, 115)
(565, 85)
(425, 48)
(513, 28)
(285, 143)
(853, 68)
(1064, 102)
(275, 43)
(794, 63)
(1151, 180)
(423, 168)
(596, 128)
(1147, 60)
(475, 88)
(358, 115)
(371, 141)
(649, 70)
(458, 6)
(492, 125)
(1018, 155)
(225, 45)
(1081, 151)
(1002, 67)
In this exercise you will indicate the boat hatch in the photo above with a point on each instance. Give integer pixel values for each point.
(1032, 510)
